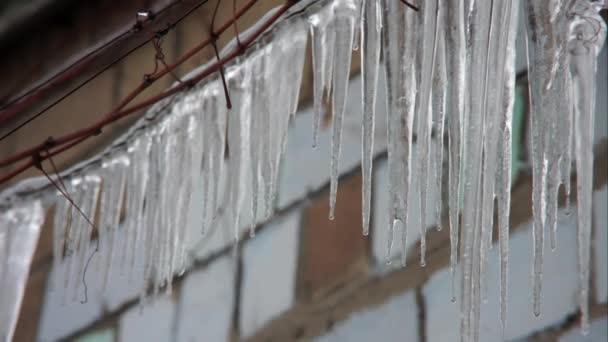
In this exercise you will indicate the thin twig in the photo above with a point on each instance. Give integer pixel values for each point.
(410, 5)
(214, 37)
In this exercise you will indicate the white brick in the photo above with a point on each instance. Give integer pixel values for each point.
(269, 273)
(600, 244)
(152, 325)
(559, 296)
(206, 303)
(394, 320)
(598, 330)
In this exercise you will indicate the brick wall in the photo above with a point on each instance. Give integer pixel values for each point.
(304, 277)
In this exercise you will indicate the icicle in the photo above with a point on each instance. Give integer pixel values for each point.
(588, 32)
(258, 99)
(72, 235)
(61, 224)
(456, 68)
(194, 140)
(89, 193)
(439, 90)
(186, 169)
(399, 62)
(266, 122)
(238, 140)
(358, 24)
(150, 247)
(491, 117)
(323, 39)
(503, 181)
(209, 143)
(505, 83)
(293, 45)
(345, 12)
(114, 176)
(219, 118)
(370, 57)
(19, 230)
(277, 119)
(478, 30)
(137, 184)
(214, 130)
(169, 160)
(548, 31)
(427, 45)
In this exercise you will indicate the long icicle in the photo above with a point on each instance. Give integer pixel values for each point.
(506, 84)
(544, 54)
(427, 45)
(456, 66)
(478, 40)
(586, 40)
(440, 93)
(494, 84)
(323, 38)
(399, 40)
(370, 56)
(345, 12)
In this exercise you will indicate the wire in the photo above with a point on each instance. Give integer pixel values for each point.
(62, 74)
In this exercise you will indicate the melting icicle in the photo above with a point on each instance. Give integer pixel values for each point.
(503, 182)
(207, 131)
(548, 31)
(456, 69)
(195, 143)
(323, 38)
(89, 193)
(585, 42)
(370, 56)
(478, 30)
(358, 24)
(256, 136)
(491, 117)
(238, 140)
(71, 235)
(345, 12)
(19, 230)
(61, 223)
(293, 45)
(137, 182)
(114, 176)
(427, 47)
(219, 117)
(265, 123)
(399, 62)
(152, 212)
(439, 90)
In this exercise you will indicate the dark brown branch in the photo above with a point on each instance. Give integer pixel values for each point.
(410, 5)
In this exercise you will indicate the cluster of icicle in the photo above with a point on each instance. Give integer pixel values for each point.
(449, 70)
(155, 172)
